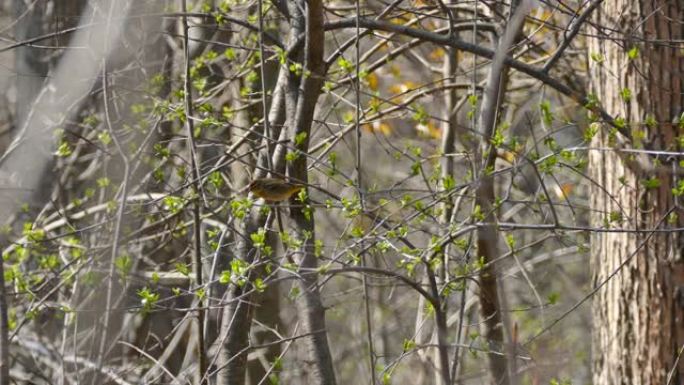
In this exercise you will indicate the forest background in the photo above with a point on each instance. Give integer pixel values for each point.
(491, 192)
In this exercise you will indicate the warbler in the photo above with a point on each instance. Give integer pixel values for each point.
(273, 189)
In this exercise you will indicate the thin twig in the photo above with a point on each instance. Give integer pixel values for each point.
(570, 35)
(360, 192)
(604, 282)
(148, 356)
(197, 189)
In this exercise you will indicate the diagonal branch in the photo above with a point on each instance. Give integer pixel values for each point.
(478, 50)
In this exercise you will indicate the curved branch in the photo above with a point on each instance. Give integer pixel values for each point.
(373, 270)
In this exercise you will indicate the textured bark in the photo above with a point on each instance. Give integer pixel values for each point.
(237, 315)
(450, 128)
(300, 98)
(267, 313)
(311, 311)
(488, 236)
(638, 328)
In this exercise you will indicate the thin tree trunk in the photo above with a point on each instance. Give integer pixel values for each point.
(487, 235)
(449, 130)
(237, 315)
(312, 313)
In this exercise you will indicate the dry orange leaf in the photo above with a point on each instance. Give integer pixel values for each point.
(378, 126)
(429, 129)
(564, 190)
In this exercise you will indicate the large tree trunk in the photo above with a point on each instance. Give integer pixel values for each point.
(638, 313)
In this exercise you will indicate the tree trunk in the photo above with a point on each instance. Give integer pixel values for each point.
(638, 313)
(309, 306)
(31, 61)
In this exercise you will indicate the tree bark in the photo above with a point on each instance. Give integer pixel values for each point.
(237, 315)
(638, 328)
(30, 61)
(487, 235)
(300, 97)
(312, 313)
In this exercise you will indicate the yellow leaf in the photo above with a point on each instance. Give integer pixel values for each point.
(508, 156)
(382, 127)
(372, 81)
(436, 54)
(401, 20)
(374, 104)
(402, 88)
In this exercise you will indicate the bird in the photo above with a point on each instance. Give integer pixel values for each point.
(273, 189)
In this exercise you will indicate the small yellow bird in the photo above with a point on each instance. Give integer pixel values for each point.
(273, 189)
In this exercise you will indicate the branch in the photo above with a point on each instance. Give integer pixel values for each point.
(440, 39)
(196, 187)
(574, 30)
